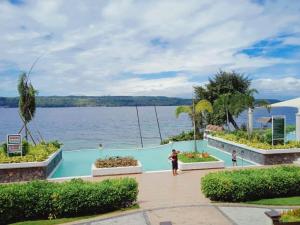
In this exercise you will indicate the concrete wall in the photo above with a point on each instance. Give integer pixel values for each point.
(14, 172)
(116, 170)
(264, 157)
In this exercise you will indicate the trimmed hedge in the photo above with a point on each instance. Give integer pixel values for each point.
(252, 184)
(43, 199)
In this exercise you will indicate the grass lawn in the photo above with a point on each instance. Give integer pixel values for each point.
(278, 201)
(189, 157)
(71, 219)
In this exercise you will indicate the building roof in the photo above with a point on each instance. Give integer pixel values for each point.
(289, 103)
(265, 119)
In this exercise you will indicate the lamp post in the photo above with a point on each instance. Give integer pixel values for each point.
(298, 125)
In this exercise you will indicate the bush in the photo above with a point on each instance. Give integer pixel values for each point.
(183, 136)
(116, 161)
(25, 147)
(4, 148)
(43, 199)
(252, 184)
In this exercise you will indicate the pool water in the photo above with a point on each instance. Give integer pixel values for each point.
(78, 163)
(291, 136)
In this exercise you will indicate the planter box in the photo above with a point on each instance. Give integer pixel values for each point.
(201, 165)
(260, 156)
(275, 217)
(116, 170)
(25, 171)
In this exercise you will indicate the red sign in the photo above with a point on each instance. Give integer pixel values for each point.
(14, 139)
(14, 148)
(14, 143)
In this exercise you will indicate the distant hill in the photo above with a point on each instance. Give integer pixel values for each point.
(271, 101)
(91, 101)
(86, 101)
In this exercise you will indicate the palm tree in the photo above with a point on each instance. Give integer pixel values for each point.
(196, 113)
(27, 104)
(201, 108)
(224, 103)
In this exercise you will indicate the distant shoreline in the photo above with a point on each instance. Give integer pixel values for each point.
(97, 101)
(101, 101)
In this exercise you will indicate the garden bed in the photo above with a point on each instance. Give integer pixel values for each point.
(197, 161)
(38, 163)
(116, 166)
(260, 156)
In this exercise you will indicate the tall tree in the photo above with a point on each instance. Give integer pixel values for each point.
(27, 105)
(197, 114)
(228, 84)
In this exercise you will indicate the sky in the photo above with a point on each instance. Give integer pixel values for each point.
(152, 48)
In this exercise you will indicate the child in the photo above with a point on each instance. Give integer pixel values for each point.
(234, 162)
(174, 159)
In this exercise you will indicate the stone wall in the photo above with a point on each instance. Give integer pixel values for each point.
(256, 156)
(30, 173)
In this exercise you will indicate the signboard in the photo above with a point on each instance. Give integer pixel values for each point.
(278, 129)
(14, 143)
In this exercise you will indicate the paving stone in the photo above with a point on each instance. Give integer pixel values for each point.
(247, 215)
(131, 219)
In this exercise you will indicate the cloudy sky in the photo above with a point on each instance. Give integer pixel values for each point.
(99, 47)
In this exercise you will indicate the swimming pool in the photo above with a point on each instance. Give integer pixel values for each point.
(78, 162)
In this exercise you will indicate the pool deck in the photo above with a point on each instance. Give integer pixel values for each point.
(163, 197)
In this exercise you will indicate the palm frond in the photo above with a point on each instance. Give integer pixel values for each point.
(203, 106)
(182, 109)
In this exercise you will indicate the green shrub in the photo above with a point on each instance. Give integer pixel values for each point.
(3, 148)
(183, 136)
(25, 147)
(252, 184)
(43, 199)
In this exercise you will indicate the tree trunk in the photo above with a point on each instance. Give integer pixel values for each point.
(26, 132)
(227, 120)
(232, 121)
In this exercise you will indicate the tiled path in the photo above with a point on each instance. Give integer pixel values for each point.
(179, 200)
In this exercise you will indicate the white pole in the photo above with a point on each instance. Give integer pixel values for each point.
(194, 117)
(298, 125)
(250, 120)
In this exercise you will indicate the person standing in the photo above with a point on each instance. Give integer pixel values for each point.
(233, 156)
(174, 158)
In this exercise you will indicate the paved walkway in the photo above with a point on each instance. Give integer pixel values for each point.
(189, 215)
(179, 200)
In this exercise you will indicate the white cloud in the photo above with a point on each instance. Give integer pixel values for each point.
(278, 88)
(89, 45)
(154, 87)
